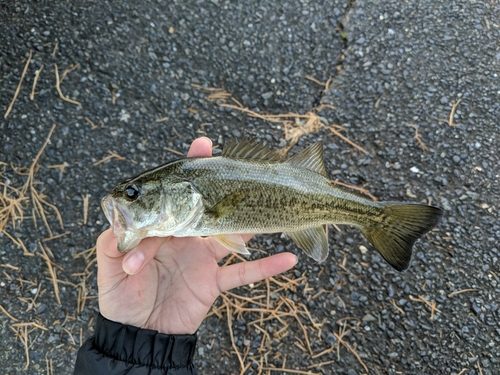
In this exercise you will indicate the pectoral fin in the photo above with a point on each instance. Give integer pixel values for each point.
(313, 241)
(227, 205)
(232, 242)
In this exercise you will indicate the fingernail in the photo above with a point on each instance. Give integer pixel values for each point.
(133, 263)
(208, 139)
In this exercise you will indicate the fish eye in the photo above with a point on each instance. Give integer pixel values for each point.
(132, 192)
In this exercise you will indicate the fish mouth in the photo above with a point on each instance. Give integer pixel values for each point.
(117, 214)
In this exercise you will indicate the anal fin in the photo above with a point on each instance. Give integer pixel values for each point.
(232, 242)
(313, 241)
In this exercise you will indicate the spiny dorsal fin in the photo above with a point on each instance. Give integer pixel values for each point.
(311, 158)
(250, 149)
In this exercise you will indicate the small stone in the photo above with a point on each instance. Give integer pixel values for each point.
(330, 339)
(369, 318)
(267, 95)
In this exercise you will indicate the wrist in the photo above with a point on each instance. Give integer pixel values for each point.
(144, 346)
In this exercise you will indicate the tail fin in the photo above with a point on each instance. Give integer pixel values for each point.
(402, 224)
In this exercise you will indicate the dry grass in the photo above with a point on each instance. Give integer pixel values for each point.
(38, 200)
(13, 200)
(18, 89)
(418, 137)
(22, 332)
(92, 125)
(90, 258)
(85, 199)
(214, 93)
(62, 167)
(52, 271)
(294, 125)
(359, 189)
(432, 304)
(35, 81)
(450, 119)
(11, 205)
(343, 331)
(173, 151)
(393, 303)
(461, 291)
(58, 84)
(112, 155)
(7, 314)
(267, 305)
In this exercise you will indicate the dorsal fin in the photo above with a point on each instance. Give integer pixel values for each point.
(310, 158)
(250, 149)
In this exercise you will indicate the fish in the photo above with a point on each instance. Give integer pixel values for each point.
(252, 189)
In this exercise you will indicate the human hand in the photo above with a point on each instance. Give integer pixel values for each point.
(169, 284)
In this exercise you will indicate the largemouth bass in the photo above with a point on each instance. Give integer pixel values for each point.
(250, 189)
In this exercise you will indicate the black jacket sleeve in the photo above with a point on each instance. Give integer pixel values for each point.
(117, 349)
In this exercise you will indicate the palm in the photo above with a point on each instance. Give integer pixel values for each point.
(183, 274)
(191, 280)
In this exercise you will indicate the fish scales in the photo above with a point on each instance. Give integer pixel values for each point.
(251, 189)
(278, 197)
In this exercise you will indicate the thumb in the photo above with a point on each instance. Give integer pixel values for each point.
(111, 263)
(109, 259)
(136, 259)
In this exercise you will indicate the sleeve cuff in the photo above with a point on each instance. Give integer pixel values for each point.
(143, 346)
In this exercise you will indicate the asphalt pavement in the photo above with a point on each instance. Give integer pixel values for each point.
(415, 84)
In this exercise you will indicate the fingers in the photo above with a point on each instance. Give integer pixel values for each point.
(200, 147)
(250, 272)
(109, 259)
(112, 262)
(135, 260)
